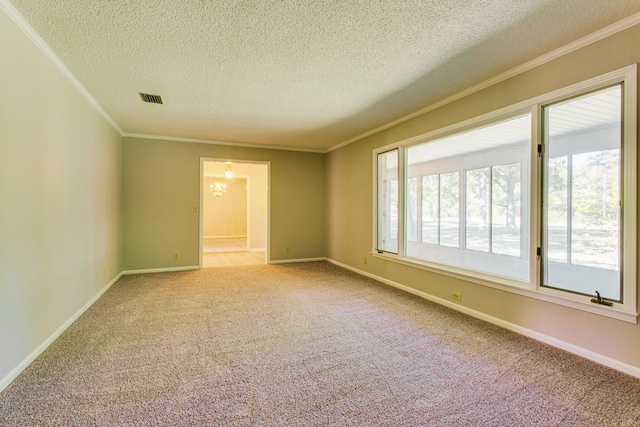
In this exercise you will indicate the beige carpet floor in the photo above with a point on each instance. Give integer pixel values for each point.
(224, 244)
(302, 345)
(228, 259)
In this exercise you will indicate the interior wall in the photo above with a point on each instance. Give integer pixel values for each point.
(226, 215)
(60, 188)
(159, 214)
(258, 221)
(350, 205)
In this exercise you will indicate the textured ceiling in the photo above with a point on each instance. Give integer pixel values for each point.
(306, 74)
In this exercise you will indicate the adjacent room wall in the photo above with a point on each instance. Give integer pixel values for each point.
(350, 209)
(258, 220)
(226, 215)
(161, 187)
(60, 188)
(256, 173)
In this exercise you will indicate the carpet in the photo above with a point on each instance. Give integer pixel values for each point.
(233, 259)
(302, 345)
(224, 244)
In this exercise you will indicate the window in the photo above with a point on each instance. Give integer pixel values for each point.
(506, 216)
(412, 209)
(440, 209)
(493, 216)
(471, 198)
(449, 209)
(388, 196)
(477, 202)
(431, 209)
(538, 198)
(582, 222)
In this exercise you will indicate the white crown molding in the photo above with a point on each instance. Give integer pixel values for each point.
(22, 23)
(216, 142)
(547, 57)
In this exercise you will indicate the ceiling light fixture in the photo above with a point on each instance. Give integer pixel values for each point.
(218, 188)
(228, 173)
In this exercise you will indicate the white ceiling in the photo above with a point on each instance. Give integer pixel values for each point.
(303, 74)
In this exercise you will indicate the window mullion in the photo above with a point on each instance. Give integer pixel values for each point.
(463, 209)
(570, 196)
(439, 206)
(402, 202)
(536, 186)
(419, 209)
(490, 209)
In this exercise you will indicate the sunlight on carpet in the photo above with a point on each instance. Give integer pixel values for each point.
(306, 344)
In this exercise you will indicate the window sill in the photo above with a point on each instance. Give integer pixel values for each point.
(521, 288)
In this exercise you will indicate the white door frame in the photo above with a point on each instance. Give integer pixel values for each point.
(268, 190)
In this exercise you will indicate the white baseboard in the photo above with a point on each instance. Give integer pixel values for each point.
(160, 270)
(225, 237)
(257, 249)
(571, 348)
(42, 347)
(289, 261)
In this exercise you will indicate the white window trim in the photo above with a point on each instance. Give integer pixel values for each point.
(626, 311)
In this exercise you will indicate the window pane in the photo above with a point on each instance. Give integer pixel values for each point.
(449, 209)
(430, 209)
(412, 209)
(505, 209)
(477, 209)
(557, 212)
(594, 209)
(464, 241)
(581, 216)
(388, 201)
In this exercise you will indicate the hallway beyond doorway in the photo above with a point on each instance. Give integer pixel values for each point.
(230, 259)
(224, 244)
(234, 214)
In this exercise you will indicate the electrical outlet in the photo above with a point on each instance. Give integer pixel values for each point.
(176, 255)
(286, 250)
(195, 208)
(365, 260)
(456, 296)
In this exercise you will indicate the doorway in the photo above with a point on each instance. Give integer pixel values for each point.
(234, 214)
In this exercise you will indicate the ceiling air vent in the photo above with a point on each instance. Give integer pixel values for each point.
(154, 99)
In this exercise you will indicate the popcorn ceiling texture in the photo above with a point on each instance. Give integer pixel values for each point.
(306, 74)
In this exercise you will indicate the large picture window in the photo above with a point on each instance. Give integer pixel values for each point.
(471, 199)
(538, 198)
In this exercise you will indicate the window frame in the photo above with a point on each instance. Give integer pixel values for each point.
(376, 195)
(625, 311)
